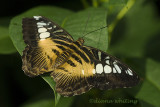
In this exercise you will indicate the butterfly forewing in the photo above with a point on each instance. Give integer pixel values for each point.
(112, 73)
(41, 51)
(74, 67)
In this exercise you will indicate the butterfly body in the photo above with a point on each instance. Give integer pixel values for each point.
(75, 68)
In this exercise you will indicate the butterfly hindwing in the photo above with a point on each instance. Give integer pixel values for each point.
(72, 77)
(95, 69)
(41, 51)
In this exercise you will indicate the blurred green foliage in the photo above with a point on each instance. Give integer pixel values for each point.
(134, 39)
(6, 45)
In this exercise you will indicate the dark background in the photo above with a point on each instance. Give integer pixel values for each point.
(14, 7)
(11, 92)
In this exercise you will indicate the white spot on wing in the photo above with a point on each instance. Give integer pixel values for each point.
(107, 57)
(107, 83)
(99, 68)
(107, 62)
(83, 72)
(117, 68)
(107, 69)
(58, 31)
(126, 72)
(49, 28)
(41, 24)
(41, 30)
(93, 71)
(37, 17)
(130, 72)
(54, 26)
(48, 23)
(114, 70)
(44, 35)
(115, 62)
(99, 55)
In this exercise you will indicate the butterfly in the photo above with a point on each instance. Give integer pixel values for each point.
(74, 67)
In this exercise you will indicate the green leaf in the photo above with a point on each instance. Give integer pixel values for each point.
(44, 99)
(88, 20)
(150, 90)
(15, 31)
(6, 45)
(65, 101)
(52, 84)
(137, 36)
(135, 31)
(117, 9)
(48, 102)
(114, 7)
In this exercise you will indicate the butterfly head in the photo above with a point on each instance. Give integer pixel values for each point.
(80, 41)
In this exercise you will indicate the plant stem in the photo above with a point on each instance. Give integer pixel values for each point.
(120, 15)
(85, 3)
(95, 3)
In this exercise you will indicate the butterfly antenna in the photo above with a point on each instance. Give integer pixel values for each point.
(99, 38)
(94, 31)
(86, 25)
